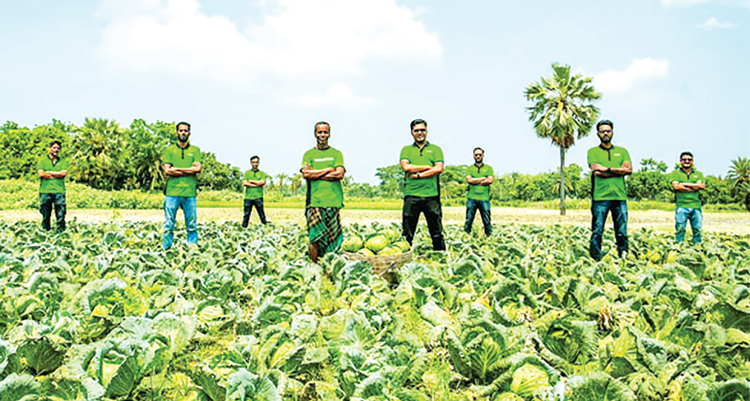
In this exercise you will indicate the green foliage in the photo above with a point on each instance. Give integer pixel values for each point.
(96, 313)
(104, 155)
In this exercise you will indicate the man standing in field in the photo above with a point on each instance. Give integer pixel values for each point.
(323, 168)
(687, 182)
(181, 163)
(479, 176)
(253, 181)
(51, 170)
(422, 163)
(609, 165)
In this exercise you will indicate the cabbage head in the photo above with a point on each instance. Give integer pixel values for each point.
(366, 252)
(376, 243)
(390, 250)
(352, 244)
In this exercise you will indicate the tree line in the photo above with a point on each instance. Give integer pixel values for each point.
(104, 155)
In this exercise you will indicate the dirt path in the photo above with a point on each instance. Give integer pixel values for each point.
(738, 223)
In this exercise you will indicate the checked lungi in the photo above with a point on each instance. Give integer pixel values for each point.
(324, 228)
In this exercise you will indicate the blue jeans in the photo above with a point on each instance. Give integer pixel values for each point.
(46, 203)
(484, 212)
(681, 217)
(171, 204)
(599, 210)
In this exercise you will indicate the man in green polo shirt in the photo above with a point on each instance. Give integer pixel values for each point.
(51, 170)
(609, 165)
(181, 163)
(253, 181)
(687, 182)
(479, 176)
(422, 163)
(323, 168)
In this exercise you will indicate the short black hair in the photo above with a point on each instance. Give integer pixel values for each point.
(605, 122)
(477, 148)
(254, 157)
(177, 127)
(417, 121)
(55, 142)
(315, 127)
(686, 153)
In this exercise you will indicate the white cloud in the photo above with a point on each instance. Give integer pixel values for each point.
(688, 3)
(713, 23)
(614, 81)
(297, 39)
(339, 96)
(682, 3)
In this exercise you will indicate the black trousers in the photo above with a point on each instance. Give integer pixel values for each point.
(249, 203)
(430, 206)
(46, 203)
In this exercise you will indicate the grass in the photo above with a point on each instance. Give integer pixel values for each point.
(20, 194)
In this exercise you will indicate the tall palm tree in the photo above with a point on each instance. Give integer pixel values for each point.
(562, 112)
(739, 175)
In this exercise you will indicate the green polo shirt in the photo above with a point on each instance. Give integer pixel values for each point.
(612, 188)
(479, 192)
(324, 193)
(427, 156)
(254, 192)
(690, 200)
(181, 158)
(51, 185)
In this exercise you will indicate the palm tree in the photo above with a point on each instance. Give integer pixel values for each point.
(562, 112)
(99, 146)
(296, 183)
(146, 144)
(739, 175)
(281, 177)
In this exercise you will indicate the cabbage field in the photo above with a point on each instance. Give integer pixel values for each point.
(101, 312)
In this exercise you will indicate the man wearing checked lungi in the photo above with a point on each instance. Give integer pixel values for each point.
(323, 168)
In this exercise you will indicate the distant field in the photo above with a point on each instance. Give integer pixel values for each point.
(736, 222)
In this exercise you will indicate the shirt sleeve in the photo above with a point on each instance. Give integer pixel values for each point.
(198, 156)
(306, 160)
(625, 156)
(39, 165)
(438, 155)
(165, 157)
(490, 171)
(672, 177)
(404, 154)
(338, 160)
(590, 157)
(64, 165)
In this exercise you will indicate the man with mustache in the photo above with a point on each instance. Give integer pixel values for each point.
(181, 163)
(609, 165)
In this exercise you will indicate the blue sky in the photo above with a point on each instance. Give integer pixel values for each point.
(254, 76)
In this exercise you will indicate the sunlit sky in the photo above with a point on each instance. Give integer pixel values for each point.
(253, 77)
